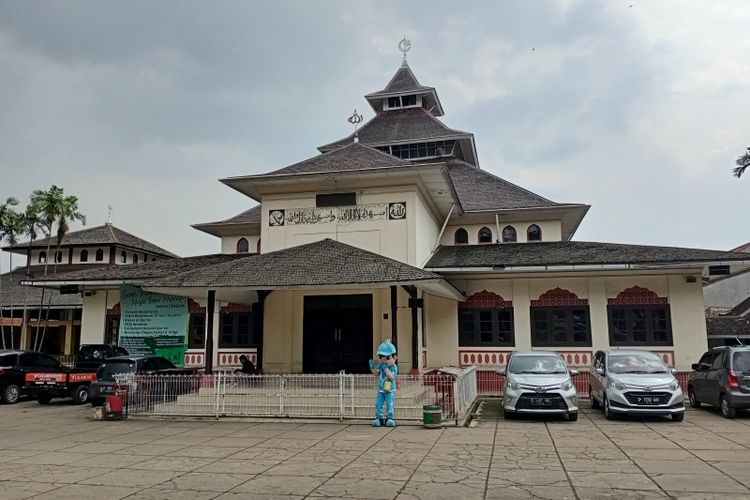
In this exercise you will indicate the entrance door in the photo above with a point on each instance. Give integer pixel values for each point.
(337, 333)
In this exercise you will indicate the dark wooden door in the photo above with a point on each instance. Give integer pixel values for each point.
(337, 333)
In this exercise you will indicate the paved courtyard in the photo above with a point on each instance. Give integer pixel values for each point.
(59, 452)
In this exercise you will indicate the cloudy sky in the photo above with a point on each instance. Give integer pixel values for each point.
(636, 107)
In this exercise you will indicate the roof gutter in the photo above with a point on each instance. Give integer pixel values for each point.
(580, 267)
(47, 283)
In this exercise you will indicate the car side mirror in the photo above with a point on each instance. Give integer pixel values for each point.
(599, 371)
(705, 367)
(673, 370)
(574, 372)
(695, 366)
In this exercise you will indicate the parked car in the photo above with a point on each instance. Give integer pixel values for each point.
(125, 368)
(539, 382)
(40, 375)
(722, 379)
(91, 356)
(633, 382)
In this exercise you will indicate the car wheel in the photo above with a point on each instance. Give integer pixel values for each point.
(607, 410)
(678, 417)
(80, 394)
(573, 416)
(11, 394)
(43, 398)
(693, 400)
(594, 403)
(726, 410)
(509, 415)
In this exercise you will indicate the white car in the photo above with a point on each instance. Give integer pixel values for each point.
(633, 382)
(539, 382)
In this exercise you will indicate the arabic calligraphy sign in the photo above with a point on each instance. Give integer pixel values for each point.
(342, 215)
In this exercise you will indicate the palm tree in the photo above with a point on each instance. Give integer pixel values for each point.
(742, 163)
(67, 212)
(32, 226)
(14, 226)
(5, 210)
(47, 205)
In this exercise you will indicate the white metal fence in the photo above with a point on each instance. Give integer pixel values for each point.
(341, 396)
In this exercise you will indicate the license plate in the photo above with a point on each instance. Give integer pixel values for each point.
(541, 401)
(647, 400)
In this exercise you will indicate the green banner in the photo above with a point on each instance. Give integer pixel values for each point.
(153, 323)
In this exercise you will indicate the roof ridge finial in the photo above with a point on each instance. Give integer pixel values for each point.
(404, 46)
(355, 120)
(109, 215)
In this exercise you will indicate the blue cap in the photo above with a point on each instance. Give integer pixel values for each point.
(386, 349)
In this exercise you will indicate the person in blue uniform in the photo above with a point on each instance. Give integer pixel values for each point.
(384, 366)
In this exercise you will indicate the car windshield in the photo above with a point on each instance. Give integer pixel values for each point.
(8, 360)
(536, 365)
(741, 361)
(635, 363)
(108, 370)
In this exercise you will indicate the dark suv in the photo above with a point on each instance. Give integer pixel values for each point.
(91, 356)
(722, 378)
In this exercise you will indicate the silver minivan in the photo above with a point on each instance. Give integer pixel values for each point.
(634, 382)
(539, 382)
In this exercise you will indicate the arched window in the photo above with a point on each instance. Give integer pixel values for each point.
(509, 234)
(58, 257)
(84, 255)
(534, 233)
(99, 255)
(258, 247)
(243, 246)
(135, 258)
(485, 235)
(461, 237)
(123, 257)
(42, 257)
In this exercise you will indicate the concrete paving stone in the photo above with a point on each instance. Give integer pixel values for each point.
(341, 458)
(149, 449)
(405, 458)
(170, 463)
(527, 477)
(525, 492)
(112, 461)
(95, 448)
(733, 468)
(160, 494)
(214, 430)
(12, 490)
(205, 452)
(723, 455)
(694, 466)
(306, 469)
(642, 444)
(245, 442)
(287, 444)
(436, 459)
(590, 465)
(55, 458)
(377, 489)
(131, 438)
(414, 490)
(182, 440)
(453, 474)
(657, 454)
(87, 492)
(586, 479)
(260, 486)
(359, 470)
(205, 481)
(59, 474)
(263, 455)
(47, 445)
(681, 495)
(134, 478)
(618, 494)
(14, 455)
(244, 496)
(466, 449)
(238, 467)
(699, 483)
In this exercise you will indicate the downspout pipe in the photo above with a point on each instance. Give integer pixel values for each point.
(440, 236)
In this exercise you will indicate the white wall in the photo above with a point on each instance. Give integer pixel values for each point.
(551, 230)
(92, 255)
(229, 243)
(93, 320)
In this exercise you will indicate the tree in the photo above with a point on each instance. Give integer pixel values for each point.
(5, 210)
(32, 226)
(14, 226)
(66, 211)
(742, 163)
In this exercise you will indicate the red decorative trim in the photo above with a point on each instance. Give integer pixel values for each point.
(233, 358)
(559, 297)
(483, 358)
(577, 358)
(195, 308)
(236, 308)
(115, 310)
(485, 299)
(637, 295)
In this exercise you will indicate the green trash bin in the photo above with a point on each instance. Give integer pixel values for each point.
(432, 417)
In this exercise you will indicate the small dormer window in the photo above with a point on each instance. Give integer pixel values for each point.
(84, 255)
(243, 246)
(509, 234)
(461, 237)
(42, 257)
(135, 258)
(534, 233)
(99, 255)
(124, 257)
(485, 235)
(404, 101)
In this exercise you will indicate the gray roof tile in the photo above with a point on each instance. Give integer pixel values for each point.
(325, 262)
(731, 326)
(106, 234)
(569, 253)
(353, 156)
(410, 124)
(17, 295)
(251, 216)
(402, 81)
